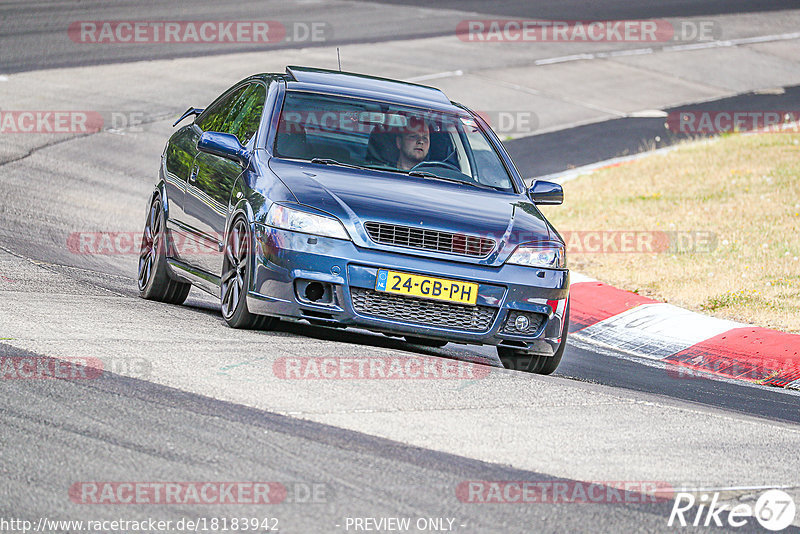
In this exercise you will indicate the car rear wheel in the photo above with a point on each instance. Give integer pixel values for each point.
(543, 365)
(153, 279)
(426, 342)
(236, 275)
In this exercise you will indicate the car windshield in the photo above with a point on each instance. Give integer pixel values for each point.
(380, 135)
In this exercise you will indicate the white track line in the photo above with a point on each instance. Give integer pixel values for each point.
(673, 48)
(436, 75)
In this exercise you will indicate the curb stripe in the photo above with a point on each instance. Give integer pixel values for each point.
(752, 353)
(656, 330)
(687, 341)
(593, 302)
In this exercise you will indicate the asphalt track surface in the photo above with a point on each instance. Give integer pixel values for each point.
(31, 44)
(558, 151)
(57, 432)
(578, 10)
(190, 437)
(37, 39)
(33, 35)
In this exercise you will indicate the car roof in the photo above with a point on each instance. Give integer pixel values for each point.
(352, 83)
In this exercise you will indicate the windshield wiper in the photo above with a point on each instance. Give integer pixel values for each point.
(426, 174)
(431, 176)
(416, 174)
(329, 161)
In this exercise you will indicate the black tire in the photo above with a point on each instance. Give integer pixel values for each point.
(538, 364)
(153, 276)
(551, 364)
(426, 342)
(516, 360)
(235, 281)
(543, 365)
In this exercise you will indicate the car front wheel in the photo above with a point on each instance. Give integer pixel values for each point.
(236, 276)
(543, 365)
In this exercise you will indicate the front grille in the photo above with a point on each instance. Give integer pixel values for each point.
(535, 321)
(422, 311)
(406, 236)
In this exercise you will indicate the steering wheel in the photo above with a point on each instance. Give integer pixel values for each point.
(444, 164)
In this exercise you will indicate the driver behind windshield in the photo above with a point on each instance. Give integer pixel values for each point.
(413, 142)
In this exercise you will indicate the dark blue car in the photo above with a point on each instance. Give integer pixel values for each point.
(349, 200)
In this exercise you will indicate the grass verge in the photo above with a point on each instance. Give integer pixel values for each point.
(718, 224)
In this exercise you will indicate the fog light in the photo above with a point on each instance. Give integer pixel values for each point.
(314, 291)
(523, 323)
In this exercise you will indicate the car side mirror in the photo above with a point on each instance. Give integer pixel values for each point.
(224, 145)
(546, 193)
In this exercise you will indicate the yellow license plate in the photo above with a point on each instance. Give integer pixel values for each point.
(427, 287)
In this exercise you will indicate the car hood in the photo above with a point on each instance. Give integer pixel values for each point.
(357, 196)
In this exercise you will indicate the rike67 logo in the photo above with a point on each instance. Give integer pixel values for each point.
(774, 510)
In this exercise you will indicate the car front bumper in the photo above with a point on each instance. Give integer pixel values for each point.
(286, 262)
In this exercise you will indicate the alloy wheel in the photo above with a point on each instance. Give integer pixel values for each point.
(237, 258)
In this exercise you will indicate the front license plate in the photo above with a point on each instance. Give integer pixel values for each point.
(427, 287)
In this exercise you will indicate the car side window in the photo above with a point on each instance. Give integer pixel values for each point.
(214, 120)
(245, 113)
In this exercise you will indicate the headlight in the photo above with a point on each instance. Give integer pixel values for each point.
(548, 256)
(288, 218)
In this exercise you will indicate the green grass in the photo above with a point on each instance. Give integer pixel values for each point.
(743, 189)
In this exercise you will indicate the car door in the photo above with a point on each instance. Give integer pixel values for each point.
(178, 160)
(208, 192)
(196, 241)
